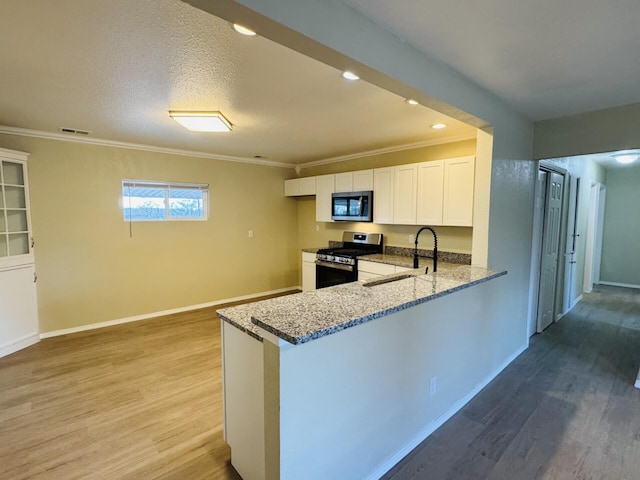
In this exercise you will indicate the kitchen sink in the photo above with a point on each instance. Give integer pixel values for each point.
(382, 281)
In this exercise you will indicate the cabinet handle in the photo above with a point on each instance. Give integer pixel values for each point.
(33, 242)
(35, 277)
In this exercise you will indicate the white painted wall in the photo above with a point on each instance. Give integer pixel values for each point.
(354, 403)
(620, 259)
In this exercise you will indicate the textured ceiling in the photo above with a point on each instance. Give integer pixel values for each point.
(115, 68)
(546, 59)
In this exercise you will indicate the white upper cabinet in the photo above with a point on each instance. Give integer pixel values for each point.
(360, 181)
(459, 178)
(297, 187)
(405, 194)
(344, 182)
(363, 181)
(430, 193)
(383, 183)
(430, 198)
(325, 186)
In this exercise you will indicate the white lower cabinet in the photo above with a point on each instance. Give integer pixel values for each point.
(18, 308)
(371, 270)
(308, 271)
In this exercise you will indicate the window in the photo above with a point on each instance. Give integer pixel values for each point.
(144, 201)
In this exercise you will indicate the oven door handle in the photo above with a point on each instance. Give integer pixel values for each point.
(337, 266)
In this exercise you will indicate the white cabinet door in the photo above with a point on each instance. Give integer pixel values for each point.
(307, 186)
(430, 193)
(308, 271)
(296, 187)
(324, 188)
(363, 180)
(405, 190)
(18, 308)
(292, 187)
(344, 182)
(459, 176)
(366, 276)
(383, 182)
(375, 268)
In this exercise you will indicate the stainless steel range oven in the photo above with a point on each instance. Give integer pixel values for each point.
(340, 265)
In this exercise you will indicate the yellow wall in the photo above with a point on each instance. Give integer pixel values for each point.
(90, 270)
(450, 239)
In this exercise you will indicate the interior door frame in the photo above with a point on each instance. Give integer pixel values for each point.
(536, 245)
(595, 228)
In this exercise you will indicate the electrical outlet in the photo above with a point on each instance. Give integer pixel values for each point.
(317, 228)
(433, 386)
(250, 233)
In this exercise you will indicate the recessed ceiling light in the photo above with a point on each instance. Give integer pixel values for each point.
(626, 157)
(202, 121)
(350, 76)
(411, 101)
(243, 30)
(439, 126)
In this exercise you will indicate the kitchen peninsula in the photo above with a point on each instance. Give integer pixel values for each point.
(344, 381)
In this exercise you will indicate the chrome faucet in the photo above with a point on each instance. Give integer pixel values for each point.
(435, 249)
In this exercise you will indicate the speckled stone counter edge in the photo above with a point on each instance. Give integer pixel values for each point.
(246, 329)
(367, 318)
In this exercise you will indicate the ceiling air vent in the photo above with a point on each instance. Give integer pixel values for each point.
(74, 131)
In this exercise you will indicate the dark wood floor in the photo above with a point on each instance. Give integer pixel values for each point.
(565, 409)
(143, 401)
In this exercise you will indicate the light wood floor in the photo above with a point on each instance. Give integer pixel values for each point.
(143, 401)
(565, 409)
(136, 401)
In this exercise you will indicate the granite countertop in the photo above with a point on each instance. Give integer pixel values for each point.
(310, 250)
(306, 316)
(400, 260)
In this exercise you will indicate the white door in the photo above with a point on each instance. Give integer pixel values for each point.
(550, 250)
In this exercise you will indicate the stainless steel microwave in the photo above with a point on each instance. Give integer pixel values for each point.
(352, 206)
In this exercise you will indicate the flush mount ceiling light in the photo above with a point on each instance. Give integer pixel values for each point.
(626, 157)
(439, 126)
(243, 30)
(202, 121)
(411, 101)
(347, 75)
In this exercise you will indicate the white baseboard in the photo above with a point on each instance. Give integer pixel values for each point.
(433, 426)
(615, 284)
(19, 344)
(637, 385)
(146, 316)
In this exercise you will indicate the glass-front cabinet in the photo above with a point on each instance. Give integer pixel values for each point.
(18, 295)
(15, 222)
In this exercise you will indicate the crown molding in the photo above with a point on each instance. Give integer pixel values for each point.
(381, 151)
(24, 132)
